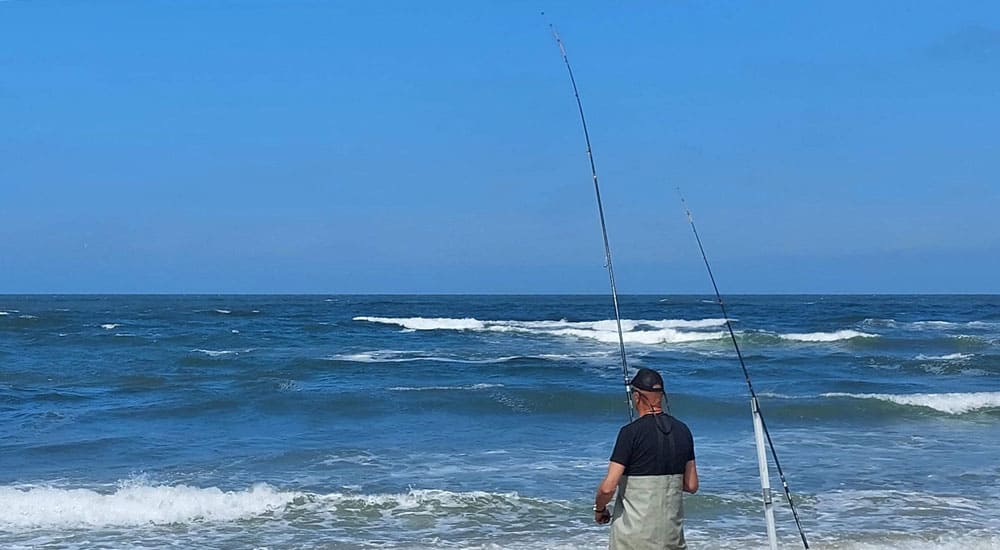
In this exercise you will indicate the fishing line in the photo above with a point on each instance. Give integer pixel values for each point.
(746, 373)
(600, 210)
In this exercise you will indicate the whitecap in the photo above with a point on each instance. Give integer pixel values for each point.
(951, 403)
(637, 331)
(647, 337)
(134, 504)
(431, 500)
(223, 311)
(826, 336)
(110, 326)
(950, 325)
(944, 325)
(421, 323)
(445, 388)
(387, 356)
(685, 323)
(222, 353)
(886, 323)
(948, 357)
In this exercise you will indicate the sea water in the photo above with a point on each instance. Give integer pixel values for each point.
(486, 421)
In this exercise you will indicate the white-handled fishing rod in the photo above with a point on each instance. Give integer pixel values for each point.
(600, 210)
(760, 428)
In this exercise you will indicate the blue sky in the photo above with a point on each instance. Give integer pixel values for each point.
(342, 147)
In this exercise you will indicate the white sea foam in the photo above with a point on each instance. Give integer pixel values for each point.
(934, 324)
(423, 499)
(222, 353)
(110, 326)
(421, 323)
(647, 337)
(134, 504)
(826, 336)
(3, 313)
(388, 356)
(930, 325)
(139, 504)
(223, 311)
(948, 357)
(872, 322)
(951, 403)
(683, 323)
(635, 331)
(444, 388)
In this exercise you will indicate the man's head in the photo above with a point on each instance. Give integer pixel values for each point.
(647, 390)
(647, 380)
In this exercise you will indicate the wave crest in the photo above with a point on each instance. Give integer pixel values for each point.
(635, 331)
(951, 403)
(826, 336)
(445, 388)
(137, 504)
(948, 357)
(134, 504)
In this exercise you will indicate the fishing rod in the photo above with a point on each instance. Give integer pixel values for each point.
(759, 425)
(600, 210)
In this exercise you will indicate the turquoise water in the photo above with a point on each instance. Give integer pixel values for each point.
(484, 421)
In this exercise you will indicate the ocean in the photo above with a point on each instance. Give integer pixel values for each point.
(273, 422)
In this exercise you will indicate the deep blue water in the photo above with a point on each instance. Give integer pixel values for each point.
(485, 421)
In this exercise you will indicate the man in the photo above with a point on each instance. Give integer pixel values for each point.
(653, 461)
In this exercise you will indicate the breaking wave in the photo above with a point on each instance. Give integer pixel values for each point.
(134, 504)
(223, 352)
(634, 331)
(948, 357)
(445, 388)
(826, 336)
(930, 325)
(665, 331)
(951, 403)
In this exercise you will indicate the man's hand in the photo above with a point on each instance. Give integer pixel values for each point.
(604, 516)
(606, 491)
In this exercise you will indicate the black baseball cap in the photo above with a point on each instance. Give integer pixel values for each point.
(647, 380)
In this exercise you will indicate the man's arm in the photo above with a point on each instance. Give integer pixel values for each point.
(606, 490)
(690, 477)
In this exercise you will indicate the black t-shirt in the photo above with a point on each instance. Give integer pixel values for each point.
(645, 450)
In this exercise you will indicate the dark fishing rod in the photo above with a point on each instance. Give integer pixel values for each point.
(746, 373)
(600, 210)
